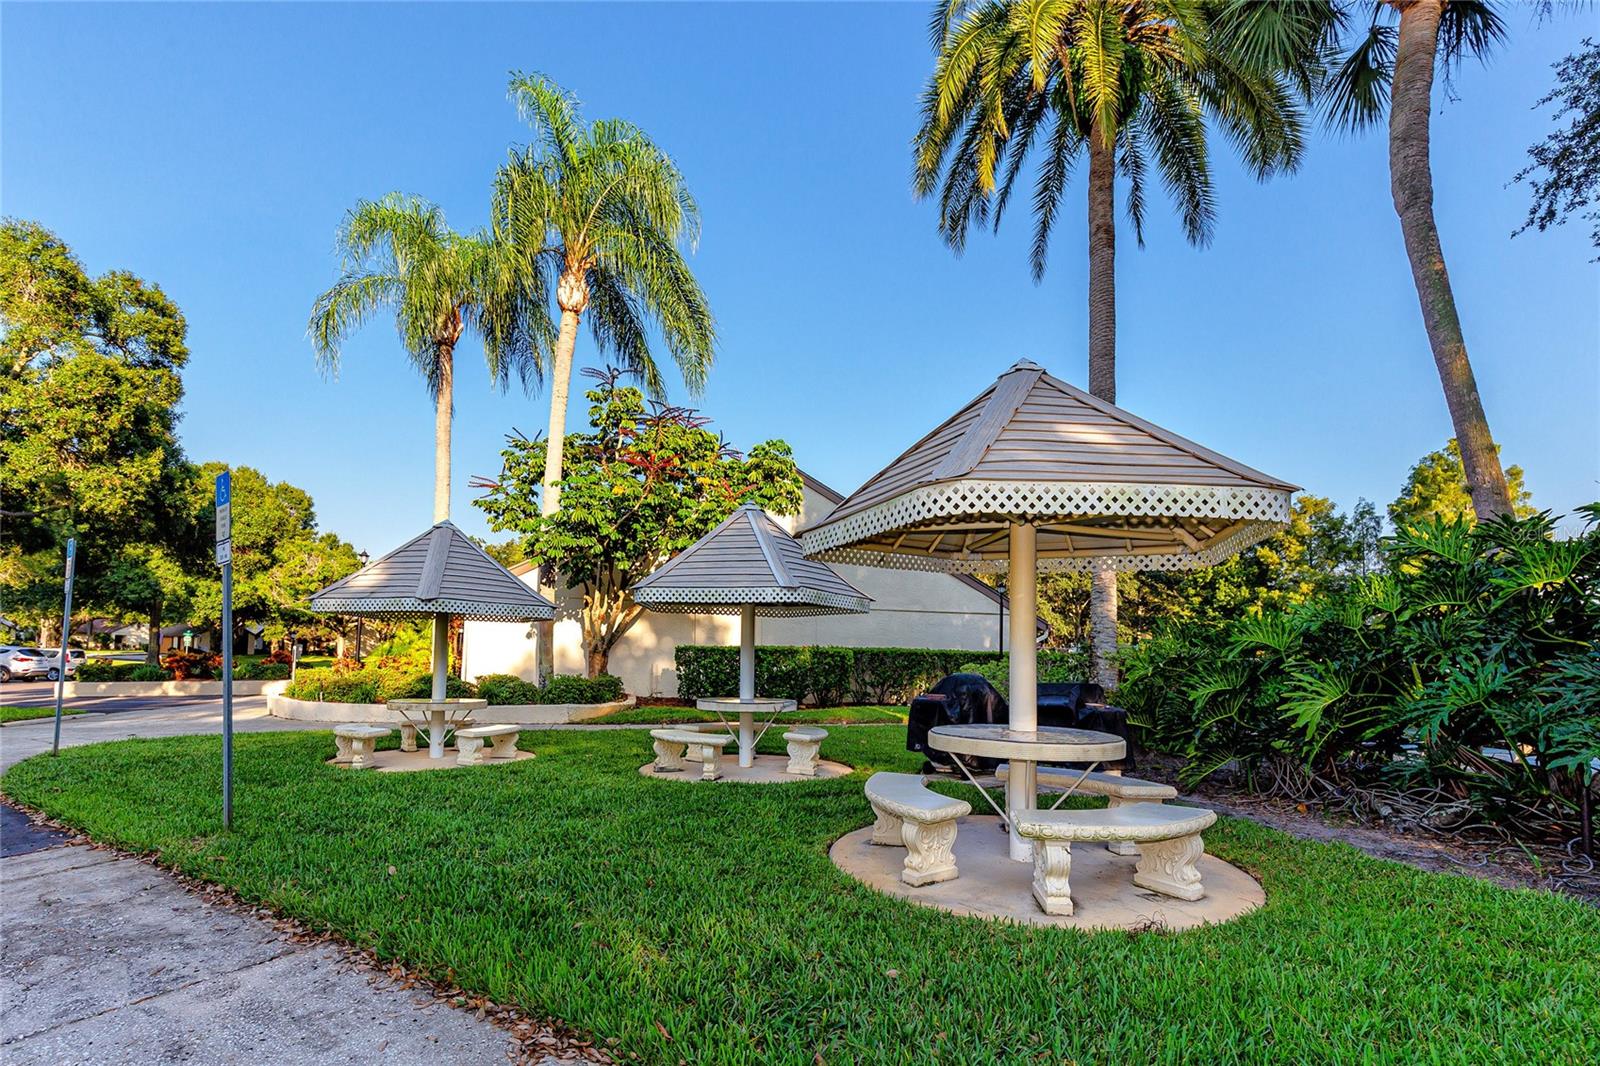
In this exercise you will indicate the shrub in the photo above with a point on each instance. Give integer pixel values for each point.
(280, 657)
(192, 665)
(100, 670)
(1055, 668)
(504, 689)
(265, 670)
(147, 672)
(371, 685)
(821, 675)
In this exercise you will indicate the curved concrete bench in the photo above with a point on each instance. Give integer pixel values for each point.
(913, 816)
(805, 741)
(1169, 839)
(469, 743)
(355, 742)
(1119, 790)
(670, 745)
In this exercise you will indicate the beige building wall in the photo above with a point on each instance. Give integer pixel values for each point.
(910, 609)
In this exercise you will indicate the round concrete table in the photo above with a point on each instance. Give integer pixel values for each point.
(1025, 751)
(746, 711)
(431, 716)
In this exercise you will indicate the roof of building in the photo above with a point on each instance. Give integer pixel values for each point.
(748, 559)
(441, 571)
(1104, 487)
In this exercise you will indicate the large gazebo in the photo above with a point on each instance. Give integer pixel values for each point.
(1036, 474)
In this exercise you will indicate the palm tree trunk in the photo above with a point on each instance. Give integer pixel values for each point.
(1411, 183)
(1103, 371)
(441, 433)
(572, 293)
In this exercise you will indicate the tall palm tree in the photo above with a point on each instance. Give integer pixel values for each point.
(1130, 84)
(1388, 63)
(398, 253)
(604, 212)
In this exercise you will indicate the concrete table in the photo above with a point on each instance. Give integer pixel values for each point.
(745, 711)
(432, 715)
(1025, 750)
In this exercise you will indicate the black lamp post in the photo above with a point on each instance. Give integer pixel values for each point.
(363, 556)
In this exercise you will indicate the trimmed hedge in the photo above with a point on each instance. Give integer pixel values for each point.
(103, 670)
(823, 676)
(505, 689)
(1055, 668)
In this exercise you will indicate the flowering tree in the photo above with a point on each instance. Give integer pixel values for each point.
(646, 481)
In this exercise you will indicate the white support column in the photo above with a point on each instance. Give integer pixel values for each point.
(1022, 587)
(747, 683)
(441, 667)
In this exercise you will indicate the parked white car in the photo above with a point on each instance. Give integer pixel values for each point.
(23, 663)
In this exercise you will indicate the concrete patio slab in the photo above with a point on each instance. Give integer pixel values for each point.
(768, 770)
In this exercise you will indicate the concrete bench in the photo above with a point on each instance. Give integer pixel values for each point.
(1119, 790)
(408, 732)
(693, 754)
(469, 743)
(913, 816)
(670, 745)
(805, 741)
(1169, 840)
(355, 743)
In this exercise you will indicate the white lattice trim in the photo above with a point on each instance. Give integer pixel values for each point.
(411, 607)
(1043, 501)
(767, 601)
(1122, 561)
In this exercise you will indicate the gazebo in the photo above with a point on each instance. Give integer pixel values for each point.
(1036, 474)
(438, 574)
(749, 565)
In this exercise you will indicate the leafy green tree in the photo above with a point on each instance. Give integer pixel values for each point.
(1565, 173)
(1385, 57)
(1437, 485)
(602, 212)
(644, 483)
(399, 255)
(507, 553)
(1130, 85)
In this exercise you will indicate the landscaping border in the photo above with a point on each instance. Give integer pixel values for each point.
(281, 706)
(113, 689)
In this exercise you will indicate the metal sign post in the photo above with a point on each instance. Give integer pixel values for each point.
(225, 560)
(66, 632)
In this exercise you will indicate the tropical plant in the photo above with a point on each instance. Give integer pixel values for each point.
(399, 254)
(644, 483)
(1133, 86)
(604, 213)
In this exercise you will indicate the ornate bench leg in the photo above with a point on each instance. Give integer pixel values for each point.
(803, 757)
(505, 747)
(468, 750)
(1168, 867)
(1120, 847)
(930, 854)
(710, 754)
(1052, 862)
(408, 737)
(669, 757)
(886, 830)
(361, 753)
(342, 749)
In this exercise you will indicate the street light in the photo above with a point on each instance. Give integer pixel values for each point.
(363, 556)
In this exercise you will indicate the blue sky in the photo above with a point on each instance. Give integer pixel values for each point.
(214, 148)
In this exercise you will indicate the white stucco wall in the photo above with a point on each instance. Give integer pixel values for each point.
(910, 609)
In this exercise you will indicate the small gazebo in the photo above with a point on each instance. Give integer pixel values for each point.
(438, 575)
(1036, 474)
(749, 565)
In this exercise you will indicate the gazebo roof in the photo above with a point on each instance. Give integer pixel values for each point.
(439, 572)
(748, 559)
(1105, 488)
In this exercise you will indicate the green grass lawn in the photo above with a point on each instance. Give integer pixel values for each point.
(577, 888)
(804, 716)
(24, 714)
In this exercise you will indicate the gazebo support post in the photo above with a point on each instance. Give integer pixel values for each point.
(1022, 587)
(441, 667)
(747, 683)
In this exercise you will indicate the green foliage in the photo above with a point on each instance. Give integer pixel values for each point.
(1055, 668)
(148, 672)
(1476, 637)
(822, 676)
(192, 665)
(105, 670)
(1437, 487)
(371, 684)
(643, 484)
(578, 905)
(262, 671)
(507, 690)
(1568, 158)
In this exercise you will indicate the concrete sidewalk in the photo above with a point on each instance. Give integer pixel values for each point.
(105, 959)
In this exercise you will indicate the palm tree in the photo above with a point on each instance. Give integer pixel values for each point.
(602, 211)
(1390, 65)
(398, 253)
(1131, 85)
